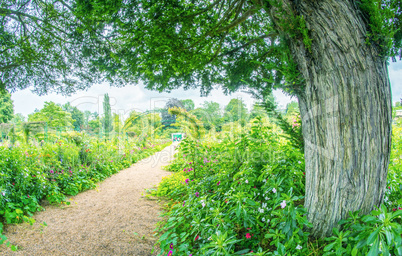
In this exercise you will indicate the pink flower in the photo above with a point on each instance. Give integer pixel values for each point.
(218, 183)
(197, 237)
(187, 180)
(197, 194)
(170, 253)
(248, 236)
(283, 204)
(171, 246)
(274, 190)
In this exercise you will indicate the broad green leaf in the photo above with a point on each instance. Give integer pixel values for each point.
(373, 236)
(329, 247)
(375, 248)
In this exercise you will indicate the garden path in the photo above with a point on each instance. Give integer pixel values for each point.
(113, 219)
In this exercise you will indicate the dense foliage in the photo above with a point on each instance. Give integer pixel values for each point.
(242, 193)
(53, 115)
(50, 46)
(34, 172)
(6, 107)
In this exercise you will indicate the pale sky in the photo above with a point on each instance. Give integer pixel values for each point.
(136, 97)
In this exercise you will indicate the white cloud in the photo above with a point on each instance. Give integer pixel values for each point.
(136, 97)
(131, 97)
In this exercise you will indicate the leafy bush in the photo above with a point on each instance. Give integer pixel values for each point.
(243, 194)
(31, 173)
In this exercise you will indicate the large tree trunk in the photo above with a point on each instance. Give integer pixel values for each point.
(346, 113)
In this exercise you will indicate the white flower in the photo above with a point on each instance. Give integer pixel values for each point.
(298, 247)
(264, 180)
(263, 219)
(266, 198)
(274, 190)
(283, 204)
(246, 181)
(203, 204)
(4, 193)
(299, 162)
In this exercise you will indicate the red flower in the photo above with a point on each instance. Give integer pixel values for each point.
(13, 183)
(196, 238)
(248, 235)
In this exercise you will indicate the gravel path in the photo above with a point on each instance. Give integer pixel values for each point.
(113, 219)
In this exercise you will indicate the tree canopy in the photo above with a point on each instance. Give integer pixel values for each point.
(68, 45)
(51, 46)
(235, 111)
(53, 115)
(236, 44)
(188, 104)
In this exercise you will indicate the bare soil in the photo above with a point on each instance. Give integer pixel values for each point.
(113, 219)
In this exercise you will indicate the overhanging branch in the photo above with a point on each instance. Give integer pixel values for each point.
(236, 22)
(272, 34)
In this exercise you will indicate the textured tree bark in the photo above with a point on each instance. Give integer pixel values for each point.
(346, 113)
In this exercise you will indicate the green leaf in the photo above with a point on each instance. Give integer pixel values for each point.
(373, 236)
(238, 210)
(389, 236)
(329, 247)
(19, 211)
(242, 251)
(354, 251)
(335, 231)
(281, 249)
(374, 249)
(397, 213)
(164, 236)
(251, 202)
(375, 212)
(3, 238)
